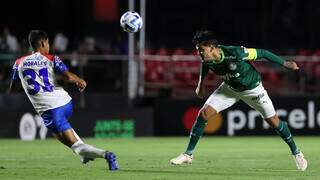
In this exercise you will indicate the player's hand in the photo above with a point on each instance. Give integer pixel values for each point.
(81, 85)
(200, 92)
(291, 65)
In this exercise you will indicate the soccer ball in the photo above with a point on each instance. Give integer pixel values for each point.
(131, 22)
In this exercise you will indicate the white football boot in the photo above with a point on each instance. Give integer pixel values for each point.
(301, 162)
(182, 158)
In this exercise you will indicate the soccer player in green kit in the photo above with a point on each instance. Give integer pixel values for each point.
(241, 82)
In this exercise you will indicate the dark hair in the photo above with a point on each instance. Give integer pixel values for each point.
(34, 38)
(205, 37)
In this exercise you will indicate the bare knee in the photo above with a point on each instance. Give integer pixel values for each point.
(207, 111)
(273, 121)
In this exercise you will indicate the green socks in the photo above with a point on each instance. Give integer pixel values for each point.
(196, 132)
(199, 125)
(284, 132)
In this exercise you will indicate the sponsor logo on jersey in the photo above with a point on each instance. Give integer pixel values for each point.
(232, 66)
(229, 76)
(35, 56)
(230, 57)
(57, 59)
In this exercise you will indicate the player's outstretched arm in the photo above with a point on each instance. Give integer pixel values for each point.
(261, 53)
(291, 65)
(71, 77)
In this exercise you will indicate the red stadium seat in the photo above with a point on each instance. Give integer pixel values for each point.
(149, 51)
(316, 53)
(303, 52)
(194, 52)
(272, 80)
(179, 51)
(316, 72)
(163, 52)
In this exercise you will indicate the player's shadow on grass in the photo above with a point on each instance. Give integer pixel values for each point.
(216, 173)
(169, 172)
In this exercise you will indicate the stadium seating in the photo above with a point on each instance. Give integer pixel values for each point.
(173, 69)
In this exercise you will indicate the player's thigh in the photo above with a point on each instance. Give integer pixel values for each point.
(65, 133)
(57, 119)
(259, 100)
(222, 98)
(207, 111)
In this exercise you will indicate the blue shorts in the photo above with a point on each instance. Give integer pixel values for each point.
(57, 119)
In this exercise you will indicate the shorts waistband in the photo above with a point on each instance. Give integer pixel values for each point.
(258, 84)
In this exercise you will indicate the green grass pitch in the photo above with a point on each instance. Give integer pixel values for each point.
(148, 158)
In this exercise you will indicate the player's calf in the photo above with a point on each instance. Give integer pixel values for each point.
(90, 153)
(86, 150)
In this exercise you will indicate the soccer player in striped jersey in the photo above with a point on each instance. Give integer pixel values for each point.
(38, 75)
(241, 81)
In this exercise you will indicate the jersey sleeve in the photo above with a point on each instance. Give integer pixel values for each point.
(262, 53)
(249, 54)
(15, 74)
(58, 65)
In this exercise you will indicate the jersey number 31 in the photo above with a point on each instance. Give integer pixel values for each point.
(43, 75)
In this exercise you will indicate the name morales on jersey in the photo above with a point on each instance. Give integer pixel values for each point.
(35, 63)
(229, 76)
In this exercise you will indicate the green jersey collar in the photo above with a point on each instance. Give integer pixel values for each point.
(222, 58)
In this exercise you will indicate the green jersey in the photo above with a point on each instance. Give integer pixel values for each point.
(235, 68)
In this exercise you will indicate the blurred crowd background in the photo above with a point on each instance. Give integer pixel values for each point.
(87, 35)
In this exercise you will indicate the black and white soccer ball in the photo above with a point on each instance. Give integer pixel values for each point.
(131, 22)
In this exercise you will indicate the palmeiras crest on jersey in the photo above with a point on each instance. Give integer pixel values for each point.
(232, 66)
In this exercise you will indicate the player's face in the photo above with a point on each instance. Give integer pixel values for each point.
(208, 52)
